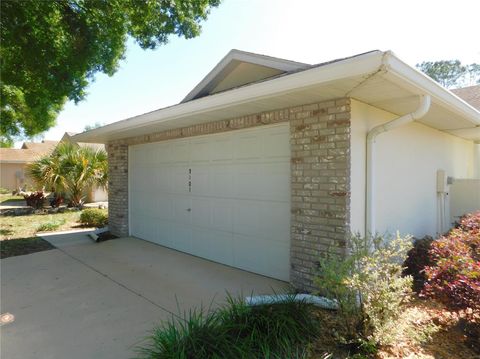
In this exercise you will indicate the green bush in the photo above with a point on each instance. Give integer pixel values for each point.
(4, 191)
(369, 288)
(237, 330)
(94, 217)
(50, 226)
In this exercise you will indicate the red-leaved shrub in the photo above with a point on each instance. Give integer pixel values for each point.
(35, 199)
(454, 277)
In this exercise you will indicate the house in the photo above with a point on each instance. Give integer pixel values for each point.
(13, 163)
(267, 163)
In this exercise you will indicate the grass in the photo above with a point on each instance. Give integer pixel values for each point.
(17, 233)
(10, 198)
(236, 330)
(51, 226)
(21, 246)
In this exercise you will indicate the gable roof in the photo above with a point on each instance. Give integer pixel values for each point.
(68, 137)
(239, 68)
(42, 147)
(470, 95)
(19, 155)
(377, 78)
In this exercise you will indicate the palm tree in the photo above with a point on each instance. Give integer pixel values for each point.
(71, 170)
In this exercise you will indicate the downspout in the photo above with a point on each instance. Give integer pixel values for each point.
(370, 225)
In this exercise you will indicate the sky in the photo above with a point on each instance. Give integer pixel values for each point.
(301, 30)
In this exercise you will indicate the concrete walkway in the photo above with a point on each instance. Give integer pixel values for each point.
(99, 300)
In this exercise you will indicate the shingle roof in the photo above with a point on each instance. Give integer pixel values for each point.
(42, 147)
(21, 155)
(29, 152)
(470, 94)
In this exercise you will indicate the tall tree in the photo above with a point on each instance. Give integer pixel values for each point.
(451, 73)
(50, 50)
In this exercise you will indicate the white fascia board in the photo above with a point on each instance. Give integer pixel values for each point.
(276, 63)
(396, 67)
(362, 65)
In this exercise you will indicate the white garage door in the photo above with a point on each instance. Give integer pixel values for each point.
(224, 197)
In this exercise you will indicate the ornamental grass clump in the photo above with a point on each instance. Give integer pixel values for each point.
(236, 330)
(369, 288)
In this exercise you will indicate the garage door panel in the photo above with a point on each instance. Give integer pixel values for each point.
(222, 148)
(237, 209)
(162, 153)
(165, 208)
(201, 212)
(222, 177)
(180, 152)
(200, 151)
(201, 184)
(222, 214)
(274, 144)
(248, 147)
(214, 245)
(249, 254)
(182, 209)
(182, 237)
(247, 180)
(180, 179)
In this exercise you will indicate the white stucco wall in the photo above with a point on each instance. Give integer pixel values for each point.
(407, 160)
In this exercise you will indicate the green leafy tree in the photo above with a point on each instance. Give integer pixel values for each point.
(50, 50)
(451, 73)
(70, 171)
(93, 126)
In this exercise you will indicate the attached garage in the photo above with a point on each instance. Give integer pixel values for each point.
(224, 197)
(263, 165)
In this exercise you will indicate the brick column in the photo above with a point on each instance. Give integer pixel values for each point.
(320, 144)
(118, 189)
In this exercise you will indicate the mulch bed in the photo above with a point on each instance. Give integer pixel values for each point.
(22, 246)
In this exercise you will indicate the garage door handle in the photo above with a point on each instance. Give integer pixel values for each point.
(189, 209)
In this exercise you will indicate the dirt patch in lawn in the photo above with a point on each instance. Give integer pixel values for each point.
(21, 246)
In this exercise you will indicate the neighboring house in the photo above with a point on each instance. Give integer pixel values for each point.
(267, 163)
(13, 163)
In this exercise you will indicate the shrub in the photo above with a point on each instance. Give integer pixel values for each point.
(35, 199)
(94, 217)
(369, 288)
(237, 331)
(417, 259)
(50, 226)
(56, 200)
(454, 276)
(4, 191)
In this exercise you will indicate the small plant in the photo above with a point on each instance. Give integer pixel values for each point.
(454, 276)
(4, 191)
(94, 217)
(35, 199)
(369, 288)
(50, 226)
(418, 259)
(237, 330)
(56, 200)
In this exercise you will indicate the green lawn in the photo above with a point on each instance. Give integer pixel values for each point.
(17, 233)
(9, 197)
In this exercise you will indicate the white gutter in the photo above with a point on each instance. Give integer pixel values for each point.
(425, 100)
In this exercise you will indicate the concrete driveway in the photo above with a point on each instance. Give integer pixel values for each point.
(100, 300)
